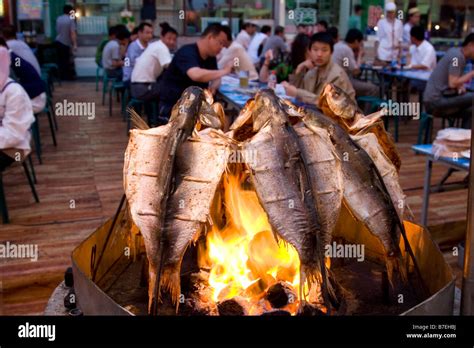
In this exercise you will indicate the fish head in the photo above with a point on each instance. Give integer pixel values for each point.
(244, 116)
(185, 112)
(268, 107)
(339, 101)
(208, 96)
(208, 116)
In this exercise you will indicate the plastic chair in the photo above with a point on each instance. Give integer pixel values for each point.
(31, 181)
(48, 110)
(53, 70)
(117, 87)
(425, 129)
(97, 77)
(105, 85)
(37, 139)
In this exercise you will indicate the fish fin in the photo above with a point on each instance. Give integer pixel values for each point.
(170, 282)
(137, 121)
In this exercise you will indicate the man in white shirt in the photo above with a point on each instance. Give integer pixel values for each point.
(16, 115)
(389, 36)
(148, 68)
(245, 35)
(422, 52)
(413, 20)
(258, 41)
(20, 48)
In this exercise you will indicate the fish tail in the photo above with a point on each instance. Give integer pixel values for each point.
(152, 299)
(395, 267)
(170, 282)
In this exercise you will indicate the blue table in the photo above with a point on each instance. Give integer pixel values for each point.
(233, 95)
(237, 96)
(457, 164)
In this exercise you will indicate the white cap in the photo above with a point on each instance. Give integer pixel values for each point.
(390, 6)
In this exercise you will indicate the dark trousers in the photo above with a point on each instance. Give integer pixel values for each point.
(164, 110)
(5, 161)
(65, 61)
(460, 105)
(145, 91)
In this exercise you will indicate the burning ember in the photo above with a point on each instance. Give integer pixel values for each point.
(244, 256)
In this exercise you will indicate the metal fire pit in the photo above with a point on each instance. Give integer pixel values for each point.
(93, 300)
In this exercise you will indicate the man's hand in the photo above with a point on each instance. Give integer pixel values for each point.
(290, 90)
(307, 64)
(229, 68)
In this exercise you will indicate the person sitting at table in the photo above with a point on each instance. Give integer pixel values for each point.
(135, 49)
(237, 55)
(100, 48)
(389, 36)
(445, 91)
(112, 60)
(334, 32)
(257, 42)
(321, 26)
(194, 65)
(16, 116)
(27, 76)
(316, 72)
(19, 47)
(245, 36)
(276, 43)
(344, 56)
(413, 20)
(422, 52)
(299, 50)
(151, 64)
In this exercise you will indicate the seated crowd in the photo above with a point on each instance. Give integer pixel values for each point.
(303, 67)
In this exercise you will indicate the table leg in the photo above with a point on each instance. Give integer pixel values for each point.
(426, 192)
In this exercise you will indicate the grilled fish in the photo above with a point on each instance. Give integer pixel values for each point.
(148, 168)
(288, 215)
(364, 192)
(388, 172)
(200, 163)
(325, 168)
(335, 103)
(386, 142)
(280, 162)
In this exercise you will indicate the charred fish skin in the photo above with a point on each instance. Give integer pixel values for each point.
(326, 177)
(387, 171)
(272, 110)
(199, 167)
(147, 178)
(364, 191)
(287, 214)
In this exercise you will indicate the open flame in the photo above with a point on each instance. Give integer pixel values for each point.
(244, 256)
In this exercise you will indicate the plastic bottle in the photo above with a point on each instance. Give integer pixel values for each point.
(272, 80)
